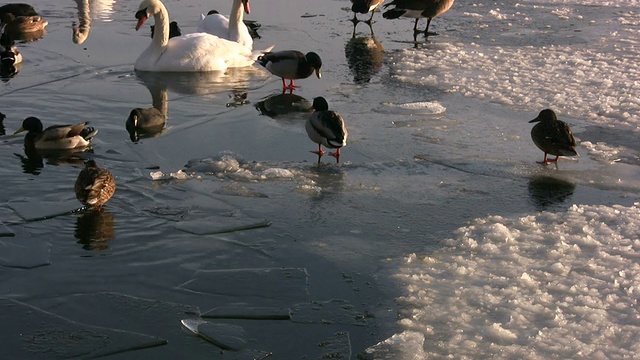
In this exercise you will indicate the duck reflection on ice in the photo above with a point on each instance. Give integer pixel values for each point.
(94, 229)
(547, 191)
(33, 162)
(365, 55)
(278, 105)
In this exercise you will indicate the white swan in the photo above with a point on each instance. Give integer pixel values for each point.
(198, 52)
(232, 28)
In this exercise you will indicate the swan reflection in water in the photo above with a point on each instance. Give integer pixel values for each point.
(547, 191)
(94, 229)
(88, 10)
(365, 55)
(281, 104)
(202, 83)
(81, 29)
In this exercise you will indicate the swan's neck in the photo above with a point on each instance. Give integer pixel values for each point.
(84, 13)
(161, 33)
(236, 16)
(160, 99)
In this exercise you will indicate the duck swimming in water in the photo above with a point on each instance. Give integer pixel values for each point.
(552, 136)
(56, 137)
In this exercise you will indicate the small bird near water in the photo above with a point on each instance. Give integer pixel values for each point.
(417, 9)
(94, 185)
(291, 65)
(552, 136)
(326, 127)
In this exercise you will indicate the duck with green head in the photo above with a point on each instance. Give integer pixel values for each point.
(326, 127)
(291, 65)
(56, 137)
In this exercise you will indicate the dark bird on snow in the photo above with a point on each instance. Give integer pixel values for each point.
(363, 7)
(417, 9)
(552, 136)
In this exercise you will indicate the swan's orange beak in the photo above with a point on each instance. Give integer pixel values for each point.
(142, 17)
(247, 8)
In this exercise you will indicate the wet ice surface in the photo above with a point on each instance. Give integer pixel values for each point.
(226, 239)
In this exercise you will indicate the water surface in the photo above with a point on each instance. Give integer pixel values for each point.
(439, 159)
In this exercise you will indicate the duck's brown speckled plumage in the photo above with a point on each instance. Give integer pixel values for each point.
(94, 185)
(552, 136)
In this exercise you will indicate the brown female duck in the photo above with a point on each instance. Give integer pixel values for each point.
(94, 185)
(552, 136)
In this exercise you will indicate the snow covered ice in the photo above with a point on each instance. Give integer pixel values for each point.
(554, 284)
(537, 287)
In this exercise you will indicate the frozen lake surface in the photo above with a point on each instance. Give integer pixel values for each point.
(437, 236)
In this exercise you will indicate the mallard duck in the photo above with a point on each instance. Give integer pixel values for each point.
(552, 136)
(94, 185)
(326, 127)
(15, 10)
(417, 9)
(291, 64)
(24, 24)
(174, 30)
(10, 60)
(363, 7)
(10, 56)
(56, 137)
